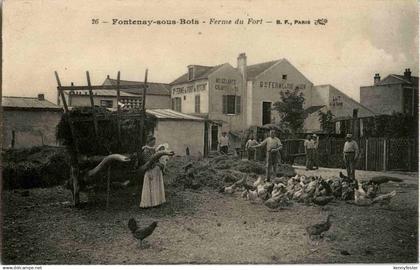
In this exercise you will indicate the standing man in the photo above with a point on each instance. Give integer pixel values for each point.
(350, 155)
(315, 154)
(273, 145)
(224, 143)
(248, 147)
(309, 150)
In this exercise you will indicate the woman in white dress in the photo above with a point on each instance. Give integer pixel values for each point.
(153, 191)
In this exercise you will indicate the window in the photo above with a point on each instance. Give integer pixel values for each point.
(190, 73)
(107, 103)
(197, 103)
(176, 104)
(284, 76)
(231, 104)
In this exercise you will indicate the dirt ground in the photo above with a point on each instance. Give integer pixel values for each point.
(207, 227)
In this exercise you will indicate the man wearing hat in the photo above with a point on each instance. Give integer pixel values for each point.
(350, 154)
(273, 146)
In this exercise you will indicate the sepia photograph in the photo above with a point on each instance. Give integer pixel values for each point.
(230, 132)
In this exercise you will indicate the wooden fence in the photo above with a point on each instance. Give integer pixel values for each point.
(376, 154)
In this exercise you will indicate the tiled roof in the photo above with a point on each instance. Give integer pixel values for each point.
(201, 72)
(28, 103)
(171, 114)
(414, 79)
(162, 89)
(253, 71)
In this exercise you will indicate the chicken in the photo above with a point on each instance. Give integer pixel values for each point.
(141, 234)
(385, 198)
(326, 186)
(228, 190)
(383, 179)
(322, 200)
(319, 229)
(310, 188)
(347, 191)
(262, 191)
(336, 187)
(278, 189)
(244, 194)
(259, 181)
(253, 196)
(273, 202)
(231, 189)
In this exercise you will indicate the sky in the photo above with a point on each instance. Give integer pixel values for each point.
(361, 38)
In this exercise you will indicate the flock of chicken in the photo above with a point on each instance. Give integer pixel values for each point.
(281, 191)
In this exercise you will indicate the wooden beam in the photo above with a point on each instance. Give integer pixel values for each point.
(118, 109)
(74, 169)
(143, 110)
(92, 104)
(108, 186)
(60, 90)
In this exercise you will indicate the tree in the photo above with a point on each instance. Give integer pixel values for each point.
(290, 109)
(326, 121)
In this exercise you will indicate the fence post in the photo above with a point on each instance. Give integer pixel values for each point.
(384, 162)
(366, 153)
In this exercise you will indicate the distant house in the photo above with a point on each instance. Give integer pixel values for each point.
(157, 96)
(394, 93)
(29, 121)
(328, 98)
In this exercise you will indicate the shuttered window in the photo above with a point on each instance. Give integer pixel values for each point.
(176, 104)
(231, 104)
(238, 104)
(197, 103)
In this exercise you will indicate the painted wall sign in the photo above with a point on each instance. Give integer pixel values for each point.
(279, 85)
(188, 89)
(225, 84)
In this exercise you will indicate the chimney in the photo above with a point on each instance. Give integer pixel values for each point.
(191, 71)
(407, 74)
(107, 76)
(41, 97)
(376, 79)
(242, 65)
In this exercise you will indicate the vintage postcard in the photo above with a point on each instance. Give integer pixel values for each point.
(210, 132)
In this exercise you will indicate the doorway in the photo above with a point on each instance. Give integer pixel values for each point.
(214, 137)
(266, 113)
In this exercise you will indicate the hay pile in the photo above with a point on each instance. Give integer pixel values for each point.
(35, 167)
(107, 140)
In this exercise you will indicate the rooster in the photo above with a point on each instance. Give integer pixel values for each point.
(317, 230)
(143, 233)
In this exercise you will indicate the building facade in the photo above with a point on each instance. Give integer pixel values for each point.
(237, 98)
(29, 122)
(179, 139)
(394, 93)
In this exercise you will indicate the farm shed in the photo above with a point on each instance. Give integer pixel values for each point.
(29, 122)
(179, 130)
